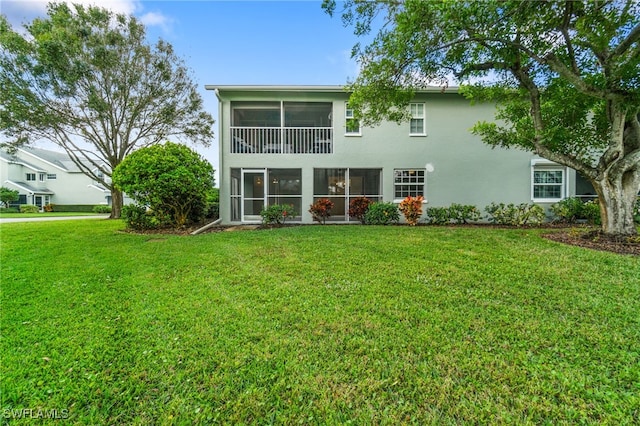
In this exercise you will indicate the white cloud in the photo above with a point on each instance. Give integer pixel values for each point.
(23, 11)
(155, 19)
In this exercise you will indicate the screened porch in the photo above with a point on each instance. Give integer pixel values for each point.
(281, 128)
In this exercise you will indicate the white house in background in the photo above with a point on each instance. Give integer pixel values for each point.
(48, 177)
(297, 144)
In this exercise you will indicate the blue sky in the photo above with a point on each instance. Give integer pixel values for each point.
(236, 42)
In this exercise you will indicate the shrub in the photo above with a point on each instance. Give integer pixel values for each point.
(591, 212)
(277, 214)
(515, 215)
(438, 215)
(139, 217)
(49, 208)
(173, 180)
(568, 210)
(321, 210)
(411, 208)
(382, 214)
(358, 208)
(464, 213)
(85, 208)
(102, 209)
(29, 208)
(9, 210)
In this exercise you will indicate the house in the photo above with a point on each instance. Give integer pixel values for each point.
(48, 177)
(297, 144)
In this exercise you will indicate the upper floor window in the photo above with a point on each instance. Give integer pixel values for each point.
(51, 176)
(31, 177)
(416, 124)
(548, 184)
(408, 183)
(352, 124)
(41, 176)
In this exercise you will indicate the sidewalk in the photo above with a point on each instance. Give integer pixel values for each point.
(47, 219)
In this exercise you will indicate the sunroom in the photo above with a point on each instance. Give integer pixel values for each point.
(281, 128)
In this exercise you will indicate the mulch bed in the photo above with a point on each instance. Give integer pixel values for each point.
(596, 240)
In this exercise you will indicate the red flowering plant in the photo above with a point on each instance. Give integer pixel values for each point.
(358, 208)
(321, 210)
(411, 208)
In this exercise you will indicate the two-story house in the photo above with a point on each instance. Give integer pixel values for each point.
(48, 177)
(297, 144)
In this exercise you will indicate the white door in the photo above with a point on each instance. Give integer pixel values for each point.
(254, 196)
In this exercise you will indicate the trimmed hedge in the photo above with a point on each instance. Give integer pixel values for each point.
(84, 208)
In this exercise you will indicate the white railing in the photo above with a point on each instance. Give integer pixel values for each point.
(281, 140)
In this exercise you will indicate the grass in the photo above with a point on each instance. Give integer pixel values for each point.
(316, 325)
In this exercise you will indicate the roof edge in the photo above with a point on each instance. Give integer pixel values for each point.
(309, 88)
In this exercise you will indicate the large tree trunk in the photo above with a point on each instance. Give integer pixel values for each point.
(617, 198)
(116, 203)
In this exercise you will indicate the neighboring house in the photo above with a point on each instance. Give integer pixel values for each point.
(297, 144)
(48, 177)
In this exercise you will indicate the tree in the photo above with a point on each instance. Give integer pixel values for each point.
(85, 79)
(8, 195)
(170, 179)
(564, 75)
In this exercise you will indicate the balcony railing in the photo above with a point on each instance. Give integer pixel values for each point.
(281, 140)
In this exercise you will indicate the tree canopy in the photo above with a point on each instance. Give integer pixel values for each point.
(8, 196)
(86, 79)
(564, 75)
(170, 179)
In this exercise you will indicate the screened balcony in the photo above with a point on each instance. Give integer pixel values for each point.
(281, 128)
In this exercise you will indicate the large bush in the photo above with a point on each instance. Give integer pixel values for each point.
(170, 180)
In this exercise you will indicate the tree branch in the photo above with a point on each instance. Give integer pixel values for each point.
(632, 37)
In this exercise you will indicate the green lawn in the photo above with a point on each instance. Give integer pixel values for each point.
(316, 325)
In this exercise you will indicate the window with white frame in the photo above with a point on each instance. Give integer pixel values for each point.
(51, 176)
(31, 177)
(548, 183)
(41, 176)
(408, 183)
(352, 124)
(416, 124)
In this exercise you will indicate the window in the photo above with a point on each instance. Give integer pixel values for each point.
(31, 177)
(51, 176)
(41, 176)
(548, 184)
(416, 124)
(408, 183)
(352, 124)
(342, 185)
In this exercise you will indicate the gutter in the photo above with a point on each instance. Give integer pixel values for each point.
(207, 226)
